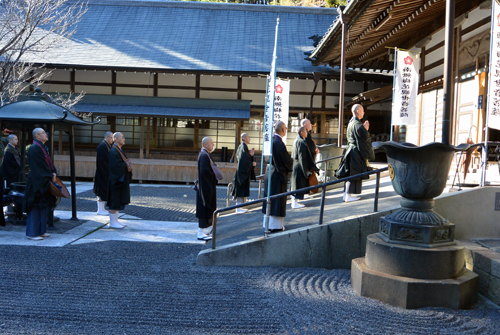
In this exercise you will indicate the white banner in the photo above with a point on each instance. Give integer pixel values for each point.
(404, 106)
(282, 102)
(493, 110)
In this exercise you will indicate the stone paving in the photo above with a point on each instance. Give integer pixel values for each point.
(90, 280)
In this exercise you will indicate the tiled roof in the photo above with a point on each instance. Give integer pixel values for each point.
(192, 36)
(210, 109)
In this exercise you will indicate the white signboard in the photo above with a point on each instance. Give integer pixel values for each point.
(494, 84)
(404, 107)
(282, 102)
(268, 115)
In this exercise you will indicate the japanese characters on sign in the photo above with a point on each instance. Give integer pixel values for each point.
(282, 102)
(494, 84)
(268, 115)
(404, 107)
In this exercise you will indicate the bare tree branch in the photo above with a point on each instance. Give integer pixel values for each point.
(28, 27)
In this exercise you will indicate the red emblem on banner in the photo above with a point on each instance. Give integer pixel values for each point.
(408, 60)
(498, 17)
(279, 89)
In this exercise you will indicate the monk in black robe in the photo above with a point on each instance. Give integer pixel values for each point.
(244, 172)
(282, 165)
(303, 166)
(38, 201)
(119, 181)
(358, 152)
(206, 194)
(101, 180)
(11, 164)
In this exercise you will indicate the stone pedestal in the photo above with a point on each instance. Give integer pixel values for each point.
(414, 277)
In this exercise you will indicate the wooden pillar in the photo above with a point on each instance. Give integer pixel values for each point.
(141, 145)
(72, 81)
(52, 131)
(113, 82)
(148, 137)
(112, 123)
(72, 172)
(155, 133)
(155, 84)
(60, 150)
(196, 135)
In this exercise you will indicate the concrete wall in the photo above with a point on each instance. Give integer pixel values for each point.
(472, 211)
(332, 245)
(335, 244)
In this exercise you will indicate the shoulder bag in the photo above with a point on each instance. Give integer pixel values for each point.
(126, 160)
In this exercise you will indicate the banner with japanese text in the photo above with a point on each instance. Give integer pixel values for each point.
(494, 82)
(405, 102)
(282, 102)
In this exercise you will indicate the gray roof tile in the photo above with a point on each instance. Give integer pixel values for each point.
(192, 36)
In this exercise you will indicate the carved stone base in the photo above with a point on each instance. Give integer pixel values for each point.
(399, 228)
(459, 292)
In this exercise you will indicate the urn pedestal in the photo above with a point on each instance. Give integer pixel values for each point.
(414, 260)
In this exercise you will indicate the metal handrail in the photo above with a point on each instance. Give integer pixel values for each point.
(306, 189)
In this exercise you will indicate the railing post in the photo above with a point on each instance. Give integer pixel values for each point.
(228, 191)
(214, 229)
(260, 188)
(322, 206)
(377, 186)
(326, 171)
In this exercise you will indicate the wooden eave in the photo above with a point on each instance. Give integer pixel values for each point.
(377, 24)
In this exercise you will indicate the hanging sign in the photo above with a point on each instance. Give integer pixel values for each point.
(494, 84)
(404, 107)
(282, 102)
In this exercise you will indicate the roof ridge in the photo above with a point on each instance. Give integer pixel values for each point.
(212, 6)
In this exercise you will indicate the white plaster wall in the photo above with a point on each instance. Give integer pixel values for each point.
(92, 76)
(176, 93)
(55, 88)
(135, 78)
(218, 81)
(176, 79)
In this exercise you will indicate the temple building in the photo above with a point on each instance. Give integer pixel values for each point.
(167, 74)
(376, 27)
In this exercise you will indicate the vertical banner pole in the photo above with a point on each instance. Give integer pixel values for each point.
(273, 83)
(394, 87)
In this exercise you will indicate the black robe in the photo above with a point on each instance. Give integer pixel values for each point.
(101, 180)
(119, 181)
(244, 172)
(39, 179)
(311, 145)
(303, 163)
(358, 153)
(206, 195)
(11, 165)
(360, 148)
(282, 165)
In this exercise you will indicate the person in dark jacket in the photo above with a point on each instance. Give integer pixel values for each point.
(206, 195)
(282, 165)
(102, 173)
(11, 164)
(37, 198)
(358, 152)
(313, 149)
(303, 166)
(119, 181)
(244, 172)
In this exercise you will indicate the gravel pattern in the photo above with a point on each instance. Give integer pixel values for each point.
(155, 288)
(153, 203)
